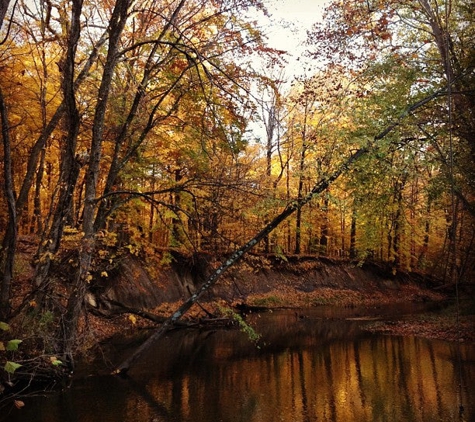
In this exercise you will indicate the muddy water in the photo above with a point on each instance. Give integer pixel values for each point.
(309, 366)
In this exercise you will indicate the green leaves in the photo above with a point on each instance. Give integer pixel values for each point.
(4, 326)
(243, 325)
(11, 367)
(55, 361)
(12, 345)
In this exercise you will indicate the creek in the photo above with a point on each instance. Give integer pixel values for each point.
(309, 365)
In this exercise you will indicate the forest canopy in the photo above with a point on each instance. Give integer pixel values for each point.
(130, 124)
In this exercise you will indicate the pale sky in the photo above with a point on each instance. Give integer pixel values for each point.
(299, 14)
(290, 21)
(287, 30)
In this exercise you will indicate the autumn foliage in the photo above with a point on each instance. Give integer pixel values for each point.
(132, 126)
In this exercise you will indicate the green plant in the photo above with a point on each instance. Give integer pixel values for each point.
(319, 301)
(279, 253)
(46, 319)
(252, 334)
(10, 346)
(267, 301)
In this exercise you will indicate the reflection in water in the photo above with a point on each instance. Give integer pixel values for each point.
(312, 369)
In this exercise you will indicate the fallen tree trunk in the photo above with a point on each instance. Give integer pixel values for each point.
(123, 309)
(318, 188)
(117, 308)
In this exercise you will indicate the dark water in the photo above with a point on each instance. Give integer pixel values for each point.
(315, 368)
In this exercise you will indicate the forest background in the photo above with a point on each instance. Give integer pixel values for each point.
(128, 127)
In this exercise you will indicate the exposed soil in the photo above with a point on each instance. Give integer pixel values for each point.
(264, 283)
(259, 281)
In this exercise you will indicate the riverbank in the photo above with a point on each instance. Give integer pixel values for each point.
(263, 283)
(445, 322)
(136, 300)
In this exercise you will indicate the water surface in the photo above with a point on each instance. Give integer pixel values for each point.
(308, 366)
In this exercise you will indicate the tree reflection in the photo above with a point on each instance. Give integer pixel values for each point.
(317, 369)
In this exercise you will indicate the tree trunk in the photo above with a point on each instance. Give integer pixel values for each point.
(75, 304)
(421, 260)
(324, 229)
(117, 162)
(397, 223)
(177, 236)
(37, 221)
(7, 257)
(40, 143)
(462, 97)
(32, 164)
(38, 147)
(69, 167)
(353, 233)
(298, 218)
(3, 10)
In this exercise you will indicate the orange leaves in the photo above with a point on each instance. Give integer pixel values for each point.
(178, 66)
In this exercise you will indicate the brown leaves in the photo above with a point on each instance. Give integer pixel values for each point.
(439, 326)
(19, 404)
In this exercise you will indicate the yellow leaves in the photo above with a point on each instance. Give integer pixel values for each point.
(133, 249)
(132, 319)
(89, 278)
(104, 274)
(71, 231)
(47, 256)
(109, 238)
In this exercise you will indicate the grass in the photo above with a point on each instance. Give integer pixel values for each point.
(267, 301)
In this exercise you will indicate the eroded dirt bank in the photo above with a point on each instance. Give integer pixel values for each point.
(270, 282)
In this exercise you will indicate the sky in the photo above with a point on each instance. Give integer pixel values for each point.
(287, 30)
(292, 19)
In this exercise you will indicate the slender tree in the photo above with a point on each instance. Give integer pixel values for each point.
(7, 255)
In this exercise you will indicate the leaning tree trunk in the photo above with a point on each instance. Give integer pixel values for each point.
(318, 188)
(236, 257)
